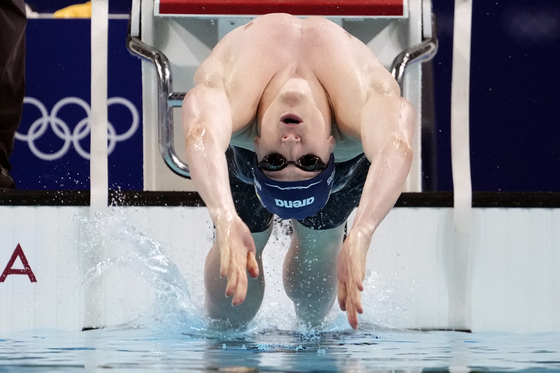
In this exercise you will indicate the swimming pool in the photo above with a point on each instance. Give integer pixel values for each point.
(152, 349)
(147, 261)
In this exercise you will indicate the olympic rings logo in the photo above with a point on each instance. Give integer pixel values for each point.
(80, 131)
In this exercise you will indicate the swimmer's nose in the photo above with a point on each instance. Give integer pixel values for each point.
(291, 138)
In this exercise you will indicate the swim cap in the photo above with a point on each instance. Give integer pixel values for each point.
(294, 199)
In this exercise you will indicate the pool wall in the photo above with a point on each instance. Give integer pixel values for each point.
(83, 271)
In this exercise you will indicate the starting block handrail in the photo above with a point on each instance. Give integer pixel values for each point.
(165, 111)
(422, 52)
(167, 99)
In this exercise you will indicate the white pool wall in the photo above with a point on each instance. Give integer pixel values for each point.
(513, 283)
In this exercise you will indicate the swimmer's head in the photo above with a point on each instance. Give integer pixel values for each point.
(294, 126)
(294, 199)
(294, 120)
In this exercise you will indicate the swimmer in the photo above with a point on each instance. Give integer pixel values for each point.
(294, 117)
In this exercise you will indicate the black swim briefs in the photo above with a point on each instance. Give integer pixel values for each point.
(348, 184)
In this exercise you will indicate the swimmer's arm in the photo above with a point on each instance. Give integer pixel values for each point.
(207, 123)
(386, 135)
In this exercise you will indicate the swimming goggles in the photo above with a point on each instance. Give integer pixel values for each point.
(277, 162)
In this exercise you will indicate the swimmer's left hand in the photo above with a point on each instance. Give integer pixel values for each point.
(351, 269)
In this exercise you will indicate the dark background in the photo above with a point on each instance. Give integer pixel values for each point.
(515, 100)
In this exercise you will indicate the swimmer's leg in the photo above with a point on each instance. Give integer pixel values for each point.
(218, 306)
(310, 271)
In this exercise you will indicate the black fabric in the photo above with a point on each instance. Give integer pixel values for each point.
(247, 204)
(12, 73)
(349, 181)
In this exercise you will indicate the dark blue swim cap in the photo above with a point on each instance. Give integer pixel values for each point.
(294, 199)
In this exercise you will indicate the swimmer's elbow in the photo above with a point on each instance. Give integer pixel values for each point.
(201, 119)
(202, 139)
(195, 135)
(206, 118)
(397, 146)
(193, 128)
(401, 139)
(402, 146)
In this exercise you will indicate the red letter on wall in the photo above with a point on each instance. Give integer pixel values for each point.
(18, 252)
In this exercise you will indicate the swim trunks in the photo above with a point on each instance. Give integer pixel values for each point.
(349, 180)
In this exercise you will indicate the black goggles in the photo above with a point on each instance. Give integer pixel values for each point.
(276, 162)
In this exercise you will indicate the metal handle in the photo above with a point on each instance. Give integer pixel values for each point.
(165, 108)
(423, 52)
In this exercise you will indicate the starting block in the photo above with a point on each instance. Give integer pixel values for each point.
(175, 36)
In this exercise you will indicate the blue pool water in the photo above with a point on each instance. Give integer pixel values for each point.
(173, 336)
(152, 350)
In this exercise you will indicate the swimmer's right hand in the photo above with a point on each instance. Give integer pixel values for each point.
(237, 255)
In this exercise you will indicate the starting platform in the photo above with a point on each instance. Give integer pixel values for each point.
(175, 36)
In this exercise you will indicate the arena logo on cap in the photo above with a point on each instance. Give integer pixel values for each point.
(294, 204)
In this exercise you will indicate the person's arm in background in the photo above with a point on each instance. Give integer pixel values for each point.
(387, 126)
(208, 127)
(13, 20)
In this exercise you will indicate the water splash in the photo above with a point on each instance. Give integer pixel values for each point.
(172, 307)
(125, 246)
